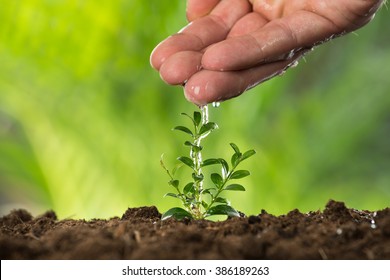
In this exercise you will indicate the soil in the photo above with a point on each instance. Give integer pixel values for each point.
(335, 233)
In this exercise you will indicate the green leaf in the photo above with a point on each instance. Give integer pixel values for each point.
(172, 195)
(188, 116)
(248, 154)
(193, 146)
(236, 158)
(210, 161)
(164, 167)
(207, 128)
(189, 188)
(162, 162)
(217, 179)
(204, 204)
(222, 200)
(184, 129)
(222, 210)
(240, 174)
(197, 178)
(188, 143)
(235, 187)
(197, 118)
(209, 191)
(177, 167)
(235, 148)
(177, 213)
(187, 161)
(225, 165)
(174, 183)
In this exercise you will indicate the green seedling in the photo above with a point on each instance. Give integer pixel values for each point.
(201, 201)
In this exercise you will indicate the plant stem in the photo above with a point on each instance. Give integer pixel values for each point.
(196, 156)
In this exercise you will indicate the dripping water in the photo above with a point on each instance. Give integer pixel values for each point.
(216, 104)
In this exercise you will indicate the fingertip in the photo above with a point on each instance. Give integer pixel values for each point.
(176, 43)
(208, 86)
(156, 57)
(190, 16)
(195, 92)
(169, 74)
(191, 96)
(179, 67)
(196, 9)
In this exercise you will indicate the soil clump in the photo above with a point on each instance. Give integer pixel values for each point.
(337, 232)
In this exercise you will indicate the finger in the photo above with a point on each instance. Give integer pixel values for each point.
(247, 24)
(178, 68)
(174, 44)
(230, 11)
(208, 86)
(199, 8)
(202, 32)
(302, 29)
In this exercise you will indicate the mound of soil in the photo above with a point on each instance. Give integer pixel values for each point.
(335, 233)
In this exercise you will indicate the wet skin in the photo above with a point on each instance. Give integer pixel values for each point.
(230, 46)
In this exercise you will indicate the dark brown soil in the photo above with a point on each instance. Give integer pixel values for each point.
(335, 233)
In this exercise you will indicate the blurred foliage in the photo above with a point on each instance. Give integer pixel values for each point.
(84, 119)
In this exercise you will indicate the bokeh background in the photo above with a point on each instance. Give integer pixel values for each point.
(84, 119)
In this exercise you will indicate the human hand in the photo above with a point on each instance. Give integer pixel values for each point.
(231, 46)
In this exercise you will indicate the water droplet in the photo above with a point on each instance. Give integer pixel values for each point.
(196, 89)
(290, 54)
(293, 64)
(216, 104)
(373, 224)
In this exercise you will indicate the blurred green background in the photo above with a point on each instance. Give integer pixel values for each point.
(84, 118)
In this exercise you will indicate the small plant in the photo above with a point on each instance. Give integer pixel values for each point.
(193, 194)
